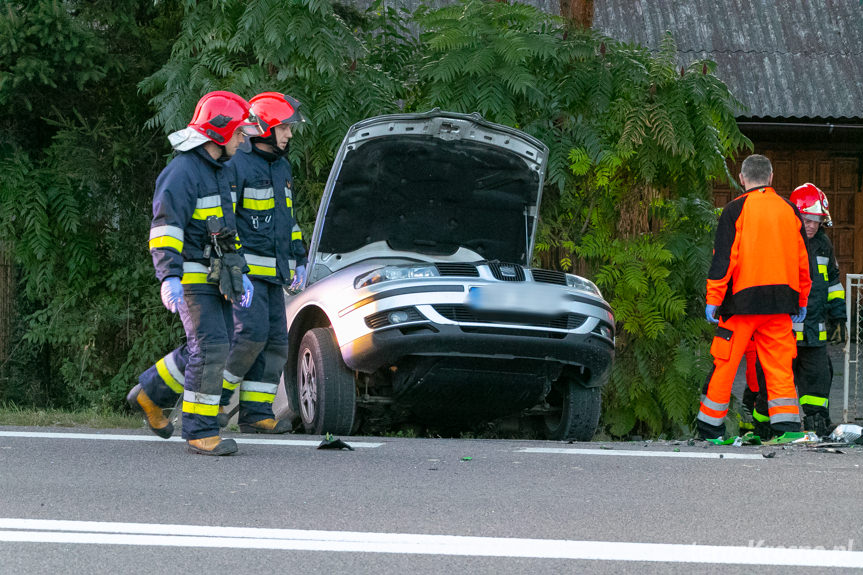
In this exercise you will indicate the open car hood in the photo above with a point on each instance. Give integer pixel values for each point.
(430, 184)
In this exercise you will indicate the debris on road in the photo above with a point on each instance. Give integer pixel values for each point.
(795, 437)
(330, 442)
(848, 433)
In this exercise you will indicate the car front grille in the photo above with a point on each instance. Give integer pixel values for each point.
(463, 314)
(506, 272)
(548, 277)
(509, 332)
(457, 269)
(382, 318)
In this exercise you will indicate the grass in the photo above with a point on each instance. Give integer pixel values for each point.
(11, 414)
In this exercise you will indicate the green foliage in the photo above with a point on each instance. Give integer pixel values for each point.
(302, 48)
(635, 144)
(76, 180)
(46, 51)
(485, 57)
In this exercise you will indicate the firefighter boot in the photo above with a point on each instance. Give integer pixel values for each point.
(763, 431)
(140, 402)
(214, 445)
(267, 426)
(818, 423)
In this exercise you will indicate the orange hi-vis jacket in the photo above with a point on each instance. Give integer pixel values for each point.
(764, 269)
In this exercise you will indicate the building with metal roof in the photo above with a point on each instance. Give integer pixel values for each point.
(797, 68)
(781, 58)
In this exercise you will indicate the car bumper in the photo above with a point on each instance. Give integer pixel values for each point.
(386, 346)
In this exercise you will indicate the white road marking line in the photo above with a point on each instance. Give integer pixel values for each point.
(117, 437)
(148, 534)
(684, 454)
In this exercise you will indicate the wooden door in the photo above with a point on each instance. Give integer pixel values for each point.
(838, 176)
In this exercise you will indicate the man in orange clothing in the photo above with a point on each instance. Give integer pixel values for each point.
(758, 283)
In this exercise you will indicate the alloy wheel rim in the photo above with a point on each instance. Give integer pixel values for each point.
(308, 387)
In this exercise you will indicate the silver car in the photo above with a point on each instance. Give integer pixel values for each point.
(420, 302)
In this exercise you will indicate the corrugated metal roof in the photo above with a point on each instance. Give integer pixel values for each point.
(781, 58)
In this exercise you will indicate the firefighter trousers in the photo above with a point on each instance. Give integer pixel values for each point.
(776, 348)
(259, 350)
(813, 377)
(195, 369)
(254, 364)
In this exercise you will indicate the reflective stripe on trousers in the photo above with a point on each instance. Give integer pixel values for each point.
(207, 319)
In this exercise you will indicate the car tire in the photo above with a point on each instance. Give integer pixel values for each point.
(579, 411)
(325, 385)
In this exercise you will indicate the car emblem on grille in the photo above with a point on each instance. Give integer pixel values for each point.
(507, 271)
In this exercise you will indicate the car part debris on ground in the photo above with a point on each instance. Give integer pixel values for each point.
(330, 442)
(847, 433)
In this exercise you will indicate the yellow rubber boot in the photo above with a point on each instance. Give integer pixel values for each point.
(157, 422)
(270, 426)
(214, 445)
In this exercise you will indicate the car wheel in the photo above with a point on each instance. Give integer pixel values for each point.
(579, 411)
(325, 385)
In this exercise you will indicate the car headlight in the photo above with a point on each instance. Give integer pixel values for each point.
(582, 284)
(390, 273)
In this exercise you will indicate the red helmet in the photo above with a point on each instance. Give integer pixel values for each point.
(274, 108)
(812, 203)
(218, 115)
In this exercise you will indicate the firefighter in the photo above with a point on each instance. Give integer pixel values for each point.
(274, 250)
(757, 286)
(813, 371)
(193, 245)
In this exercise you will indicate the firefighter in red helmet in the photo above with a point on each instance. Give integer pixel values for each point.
(276, 255)
(274, 251)
(193, 242)
(813, 371)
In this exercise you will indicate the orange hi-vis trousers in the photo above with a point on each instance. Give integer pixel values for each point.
(751, 371)
(776, 348)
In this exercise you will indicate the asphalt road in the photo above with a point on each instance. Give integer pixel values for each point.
(137, 504)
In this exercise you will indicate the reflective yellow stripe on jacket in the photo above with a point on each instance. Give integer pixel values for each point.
(261, 265)
(208, 206)
(258, 199)
(194, 273)
(167, 237)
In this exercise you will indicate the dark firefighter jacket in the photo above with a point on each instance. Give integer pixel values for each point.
(827, 297)
(760, 259)
(272, 240)
(192, 187)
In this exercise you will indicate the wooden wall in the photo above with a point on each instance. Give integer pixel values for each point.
(838, 174)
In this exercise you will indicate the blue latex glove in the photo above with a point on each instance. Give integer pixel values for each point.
(172, 293)
(299, 279)
(248, 292)
(709, 312)
(801, 315)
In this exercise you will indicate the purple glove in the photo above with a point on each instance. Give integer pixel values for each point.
(172, 293)
(299, 279)
(710, 312)
(248, 292)
(800, 316)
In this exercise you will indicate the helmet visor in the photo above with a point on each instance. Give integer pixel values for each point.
(252, 126)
